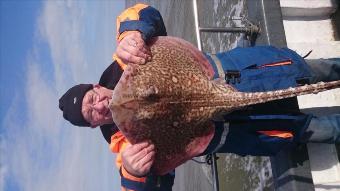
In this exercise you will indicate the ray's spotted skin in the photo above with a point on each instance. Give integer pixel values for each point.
(171, 101)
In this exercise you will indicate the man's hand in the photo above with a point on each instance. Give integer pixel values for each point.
(133, 50)
(138, 158)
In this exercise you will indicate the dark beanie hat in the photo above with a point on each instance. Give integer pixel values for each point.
(71, 102)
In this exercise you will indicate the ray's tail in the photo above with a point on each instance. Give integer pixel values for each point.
(261, 97)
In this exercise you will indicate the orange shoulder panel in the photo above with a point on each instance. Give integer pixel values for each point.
(117, 141)
(117, 145)
(131, 13)
(281, 134)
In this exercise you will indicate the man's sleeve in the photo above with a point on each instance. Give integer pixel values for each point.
(142, 18)
(150, 182)
(130, 182)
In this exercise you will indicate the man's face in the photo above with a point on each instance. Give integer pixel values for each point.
(95, 106)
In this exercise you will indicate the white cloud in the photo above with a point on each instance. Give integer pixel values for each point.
(61, 25)
(42, 151)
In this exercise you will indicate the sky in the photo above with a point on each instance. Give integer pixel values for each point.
(47, 47)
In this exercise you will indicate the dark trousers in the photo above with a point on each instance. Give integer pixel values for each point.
(324, 70)
(325, 129)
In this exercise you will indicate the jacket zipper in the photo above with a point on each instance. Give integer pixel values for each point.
(280, 63)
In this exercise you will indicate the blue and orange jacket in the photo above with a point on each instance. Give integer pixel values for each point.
(262, 129)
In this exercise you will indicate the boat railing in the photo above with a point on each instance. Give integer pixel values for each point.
(251, 31)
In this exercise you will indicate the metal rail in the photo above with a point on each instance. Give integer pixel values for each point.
(198, 35)
(227, 29)
(250, 29)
